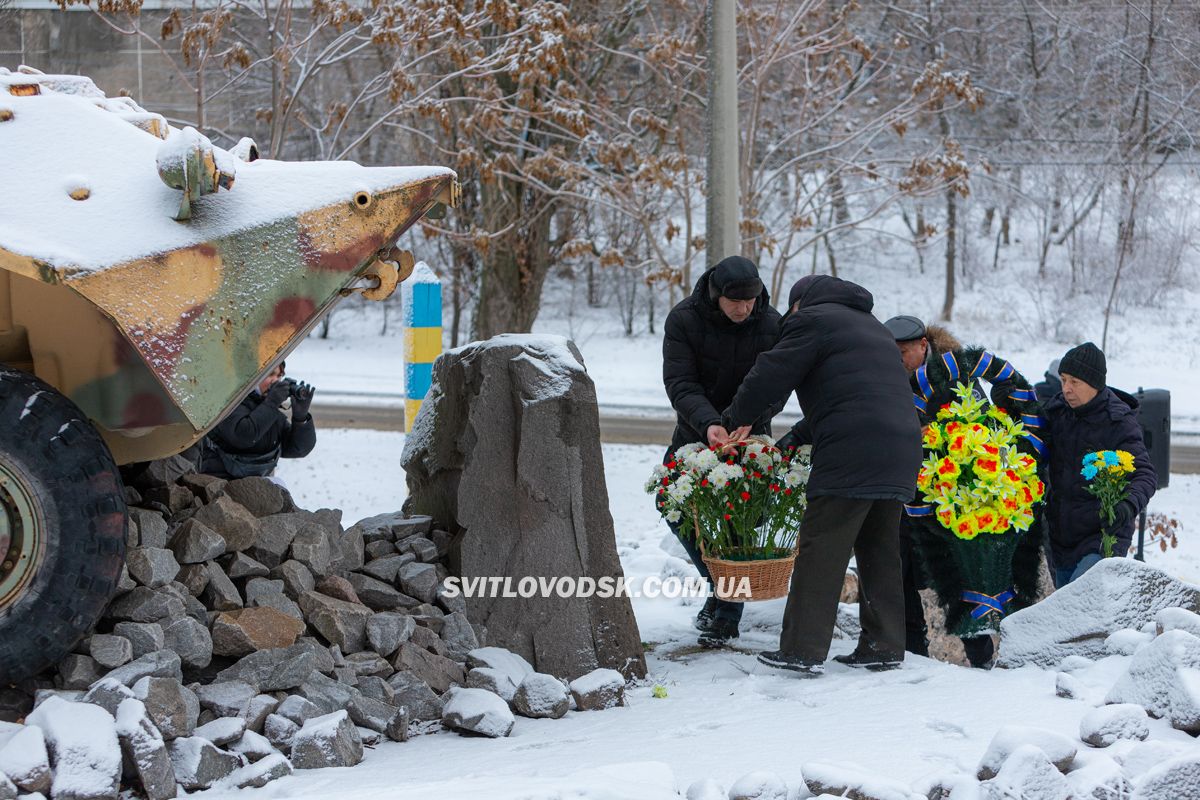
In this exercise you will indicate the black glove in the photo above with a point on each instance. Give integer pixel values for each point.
(1123, 514)
(788, 441)
(280, 390)
(302, 395)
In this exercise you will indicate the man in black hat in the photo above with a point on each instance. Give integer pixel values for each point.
(918, 344)
(1085, 417)
(711, 340)
(858, 409)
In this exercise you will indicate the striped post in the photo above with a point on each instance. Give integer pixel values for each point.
(421, 296)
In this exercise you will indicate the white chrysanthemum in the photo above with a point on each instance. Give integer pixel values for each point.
(722, 474)
(687, 450)
(702, 460)
(674, 515)
(792, 479)
(681, 489)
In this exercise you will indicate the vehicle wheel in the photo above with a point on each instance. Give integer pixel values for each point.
(62, 525)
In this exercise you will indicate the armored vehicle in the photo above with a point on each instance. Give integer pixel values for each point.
(148, 281)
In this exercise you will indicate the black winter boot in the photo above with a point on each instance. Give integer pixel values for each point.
(721, 631)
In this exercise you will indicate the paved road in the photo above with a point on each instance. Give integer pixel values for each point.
(616, 427)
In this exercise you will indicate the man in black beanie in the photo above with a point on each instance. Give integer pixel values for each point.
(1085, 417)
(711, 340)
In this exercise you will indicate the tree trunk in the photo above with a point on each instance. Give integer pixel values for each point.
(514, 266)
(841, 209)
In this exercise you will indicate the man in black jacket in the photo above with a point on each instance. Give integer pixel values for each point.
(1085, 417)
(711, 339)
(253, 437)
(847, 374)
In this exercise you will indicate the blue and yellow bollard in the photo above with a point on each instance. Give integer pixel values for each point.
(421, 296)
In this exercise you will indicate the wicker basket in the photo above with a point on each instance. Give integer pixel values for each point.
(768, 578)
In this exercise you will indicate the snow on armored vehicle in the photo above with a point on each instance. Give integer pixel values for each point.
(148, 280)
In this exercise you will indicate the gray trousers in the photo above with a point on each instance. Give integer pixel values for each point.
(833, 528)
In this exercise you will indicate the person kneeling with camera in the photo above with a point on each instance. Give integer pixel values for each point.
(258, 432)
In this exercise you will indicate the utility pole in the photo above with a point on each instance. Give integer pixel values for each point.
(721, 211)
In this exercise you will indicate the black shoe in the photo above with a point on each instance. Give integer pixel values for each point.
(720, 632)
(872, 661)
(780, 660)
(705, 617)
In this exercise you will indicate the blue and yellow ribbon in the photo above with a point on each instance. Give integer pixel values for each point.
(988, 604)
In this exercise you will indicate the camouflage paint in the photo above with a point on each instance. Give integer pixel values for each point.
(209, 320)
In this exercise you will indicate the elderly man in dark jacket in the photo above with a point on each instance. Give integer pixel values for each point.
(257, 433)
(846, 371)
(711, 340)
(1085, 417)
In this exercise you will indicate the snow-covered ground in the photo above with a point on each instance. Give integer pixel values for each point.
(724, 715)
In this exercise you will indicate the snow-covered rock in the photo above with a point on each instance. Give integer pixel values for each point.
(1137, 759)
(280, 731)
(849, 780)
(199, 763)
(24, 759)
(331, 740)
(1178, 779)
(8, 789)
(1069, 687)
(477, 711)
(501, 660)
(1058, 749)
(173, 707)
(707, 789)
(758, 786)
(144, 751)
(1176, 619)
(1164, 678)
(493, 680)
(1028, 774)
(598, 690)
(1102, 726)
(222, 731)
(253, 747)
(84, 754)
(1100, 779)
(541, 696)
(260, 773)
(1127, 641)
(1077, 619)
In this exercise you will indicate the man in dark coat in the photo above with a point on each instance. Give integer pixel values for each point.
(858, 408)
(1085, 417)
(257, 433)
(711, 339)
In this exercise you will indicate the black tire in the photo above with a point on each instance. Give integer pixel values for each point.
(60, 486)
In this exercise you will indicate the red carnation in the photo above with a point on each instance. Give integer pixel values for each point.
(745, 496)
(726, 516)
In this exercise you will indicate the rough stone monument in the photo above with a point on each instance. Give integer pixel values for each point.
(505, 454)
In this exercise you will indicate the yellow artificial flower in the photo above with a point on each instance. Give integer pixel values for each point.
(931, 436)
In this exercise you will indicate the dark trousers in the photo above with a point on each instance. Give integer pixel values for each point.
(833, 528)
(916, 633)
(687, 537)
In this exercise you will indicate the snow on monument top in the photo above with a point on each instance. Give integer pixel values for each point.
(82, 191)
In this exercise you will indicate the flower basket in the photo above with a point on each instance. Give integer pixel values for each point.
(745, 503)
(748, 581)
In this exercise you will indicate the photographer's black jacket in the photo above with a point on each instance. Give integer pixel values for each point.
(253, 437)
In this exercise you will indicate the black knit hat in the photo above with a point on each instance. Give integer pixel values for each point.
(905, 328)
(1085, 362)
(736, 278)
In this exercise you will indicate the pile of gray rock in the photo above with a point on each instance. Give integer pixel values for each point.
(250, 638)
